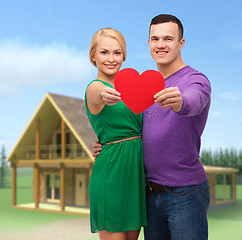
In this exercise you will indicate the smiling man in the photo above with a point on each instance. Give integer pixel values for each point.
(177, 186)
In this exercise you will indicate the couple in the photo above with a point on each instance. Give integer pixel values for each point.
(162, 187)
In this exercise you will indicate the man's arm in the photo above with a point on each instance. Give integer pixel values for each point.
(189, 103)
(96, 148)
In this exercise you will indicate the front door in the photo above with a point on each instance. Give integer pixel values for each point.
(53, 187)
(80, 197)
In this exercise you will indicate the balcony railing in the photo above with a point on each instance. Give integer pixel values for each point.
(73, 151)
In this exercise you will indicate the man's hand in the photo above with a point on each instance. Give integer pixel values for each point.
(110, 96)
(170, 98)
(96, 148)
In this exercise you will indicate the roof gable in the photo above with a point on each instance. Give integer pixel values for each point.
(74, 113)
(72, 110)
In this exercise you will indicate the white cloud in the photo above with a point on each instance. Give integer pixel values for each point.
(216, 113)
(232, 96)
(37, 66)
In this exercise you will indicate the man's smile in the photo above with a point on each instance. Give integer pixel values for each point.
(161, 52)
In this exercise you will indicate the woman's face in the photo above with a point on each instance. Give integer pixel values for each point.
(108, 57)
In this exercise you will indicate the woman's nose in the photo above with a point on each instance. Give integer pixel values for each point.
(111, 58)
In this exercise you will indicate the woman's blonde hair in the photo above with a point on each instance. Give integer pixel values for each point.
(107, 32)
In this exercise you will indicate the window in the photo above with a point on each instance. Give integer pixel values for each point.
(58, 142)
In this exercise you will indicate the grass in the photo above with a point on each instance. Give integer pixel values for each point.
(23, 219)
(224, 223)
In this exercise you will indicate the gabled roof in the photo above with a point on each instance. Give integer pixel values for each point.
(74, 113)
(72, 110)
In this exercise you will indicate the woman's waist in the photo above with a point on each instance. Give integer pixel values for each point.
(120, 139)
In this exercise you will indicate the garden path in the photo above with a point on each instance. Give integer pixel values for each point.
(63, 230)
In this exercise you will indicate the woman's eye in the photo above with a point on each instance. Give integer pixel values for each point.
(103, 52)
(118, 53)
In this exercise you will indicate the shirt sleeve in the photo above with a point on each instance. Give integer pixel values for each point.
(196, 96)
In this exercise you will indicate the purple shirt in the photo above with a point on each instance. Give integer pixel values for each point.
(171, 140)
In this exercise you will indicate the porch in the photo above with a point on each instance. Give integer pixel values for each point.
(52, 207)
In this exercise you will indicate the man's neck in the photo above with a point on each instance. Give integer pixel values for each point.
(167, 70)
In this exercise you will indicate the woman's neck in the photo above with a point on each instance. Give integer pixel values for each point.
(106, 78)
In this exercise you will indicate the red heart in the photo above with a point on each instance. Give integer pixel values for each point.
(137, 91)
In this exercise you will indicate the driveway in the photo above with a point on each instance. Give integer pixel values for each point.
(64, 230)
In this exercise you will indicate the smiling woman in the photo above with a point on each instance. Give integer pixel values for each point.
(117, 183)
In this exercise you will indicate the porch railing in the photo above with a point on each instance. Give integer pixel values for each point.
(73, 151)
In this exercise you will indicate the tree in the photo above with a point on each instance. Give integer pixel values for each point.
(222, 158)
(206, 157)
(234, 158)
(240, 161)
(3, 168)
(216, 158)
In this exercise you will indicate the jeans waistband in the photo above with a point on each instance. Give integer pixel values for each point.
(154, 187)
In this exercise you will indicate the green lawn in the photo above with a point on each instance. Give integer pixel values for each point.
(24, 219)
(224, 223)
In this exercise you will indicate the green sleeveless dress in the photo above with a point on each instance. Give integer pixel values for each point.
(117, 183)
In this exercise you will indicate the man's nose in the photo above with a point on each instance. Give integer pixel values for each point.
(161, 43)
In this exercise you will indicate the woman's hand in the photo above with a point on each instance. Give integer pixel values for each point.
(110, 96)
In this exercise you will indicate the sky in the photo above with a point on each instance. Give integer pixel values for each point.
(44, 48)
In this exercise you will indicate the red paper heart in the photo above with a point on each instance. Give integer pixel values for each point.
(137, 91)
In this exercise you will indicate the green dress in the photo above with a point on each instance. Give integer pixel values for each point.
(117, 183)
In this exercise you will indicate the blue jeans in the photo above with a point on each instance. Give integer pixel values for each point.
(179, 213)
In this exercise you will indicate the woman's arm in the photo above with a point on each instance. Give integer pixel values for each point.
(98, 95)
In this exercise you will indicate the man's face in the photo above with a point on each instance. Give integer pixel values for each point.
(164, 43)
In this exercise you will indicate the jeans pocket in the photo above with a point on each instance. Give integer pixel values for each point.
(182, 191)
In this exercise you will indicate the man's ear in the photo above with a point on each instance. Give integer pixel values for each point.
(182, 42)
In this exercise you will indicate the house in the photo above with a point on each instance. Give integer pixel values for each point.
(57, 144)
(222, 184)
